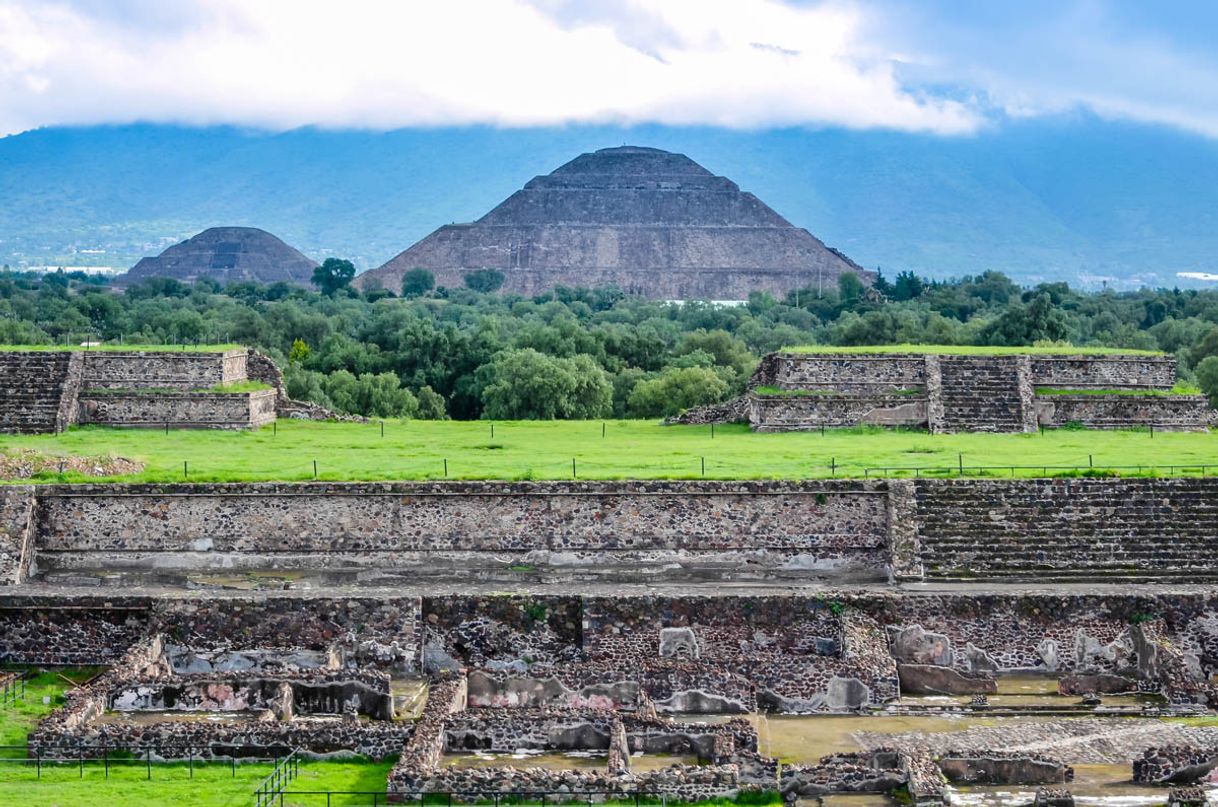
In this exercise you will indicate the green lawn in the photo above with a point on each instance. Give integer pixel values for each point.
(176, 785)
(18, 719)
(629, 449)
(114, 347)
(171, 785)
(971, 350)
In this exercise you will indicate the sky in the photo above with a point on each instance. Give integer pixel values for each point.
(954, 68)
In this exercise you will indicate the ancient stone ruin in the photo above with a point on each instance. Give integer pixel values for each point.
(799, 391)
(633, 637)
(48, 391)
(227, 255)
(643, 220)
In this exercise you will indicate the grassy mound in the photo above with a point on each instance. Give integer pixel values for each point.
(970, 350)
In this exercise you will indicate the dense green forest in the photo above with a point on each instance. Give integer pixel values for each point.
(580, 353)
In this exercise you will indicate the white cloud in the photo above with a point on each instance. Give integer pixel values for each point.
(387, 63)
(1045, 57)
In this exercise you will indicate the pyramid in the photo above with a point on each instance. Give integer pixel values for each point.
(227, 255)
(647, 221)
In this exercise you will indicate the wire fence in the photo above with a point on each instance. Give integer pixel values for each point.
(492, 798)
(12, 688)
(701, 467)
(43, 757)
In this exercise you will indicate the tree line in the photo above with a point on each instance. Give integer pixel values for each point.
(422, 351)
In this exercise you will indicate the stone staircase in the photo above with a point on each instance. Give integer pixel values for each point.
(984, 394)
(1077, 529)
(32, 388)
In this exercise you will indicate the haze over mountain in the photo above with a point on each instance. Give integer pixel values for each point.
(1058, 198)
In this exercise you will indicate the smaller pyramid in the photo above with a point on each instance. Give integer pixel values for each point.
(228, 255)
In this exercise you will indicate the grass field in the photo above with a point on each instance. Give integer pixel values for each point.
(628, 449)
(179, 785)
(971, 350)
(171, 785)
(114, 347)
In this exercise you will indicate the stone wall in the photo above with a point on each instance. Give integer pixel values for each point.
(1189, 412)
(960, 392)
(185, 370)
(70, 630)
(16, 533)
(836, 529)
(832, 652)
(48, 391)
(845, 531)
(861, 374)
(1104, 372)
(196, 410)
(370, 630)
(778, 413)
(989, 633)
(709, 627)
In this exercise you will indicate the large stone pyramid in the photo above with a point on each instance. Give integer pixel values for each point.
(228, 254)
(647, 221)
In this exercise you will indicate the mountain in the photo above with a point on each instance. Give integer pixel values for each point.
(1072, 198)
(644, 220)
(228, 255)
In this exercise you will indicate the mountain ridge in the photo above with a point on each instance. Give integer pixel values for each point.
(1074, 198)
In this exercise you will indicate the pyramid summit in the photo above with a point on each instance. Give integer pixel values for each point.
(647, 221)
(227, 255)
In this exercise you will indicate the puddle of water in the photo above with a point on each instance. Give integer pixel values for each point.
(409, 697)
(148, 718)
(1030, 689)
(579, 760)
(806, 738)
(850, 800)
(144, 718)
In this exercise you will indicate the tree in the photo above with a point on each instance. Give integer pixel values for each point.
(431, 404)
(1207, 378)
(1020, 325)
(299, 352)
(332, 275)
(907, 287)
(849, 289)
(677, 389)
(376, 394)
(528, 385)
(486, 281)
(417, 282)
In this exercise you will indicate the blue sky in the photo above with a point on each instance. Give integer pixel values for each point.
(955, 68)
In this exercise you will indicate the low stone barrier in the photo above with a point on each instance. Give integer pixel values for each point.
(877, 771)
(1002, 768)
(1174, 764)
(193, 410)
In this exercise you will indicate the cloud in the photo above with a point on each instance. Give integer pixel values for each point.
(384, 64)
(1045, 57)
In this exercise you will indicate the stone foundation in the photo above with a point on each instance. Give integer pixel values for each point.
(951, 393)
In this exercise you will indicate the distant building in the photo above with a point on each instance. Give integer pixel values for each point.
(227, 255)
(647, 221)
(106, 271)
